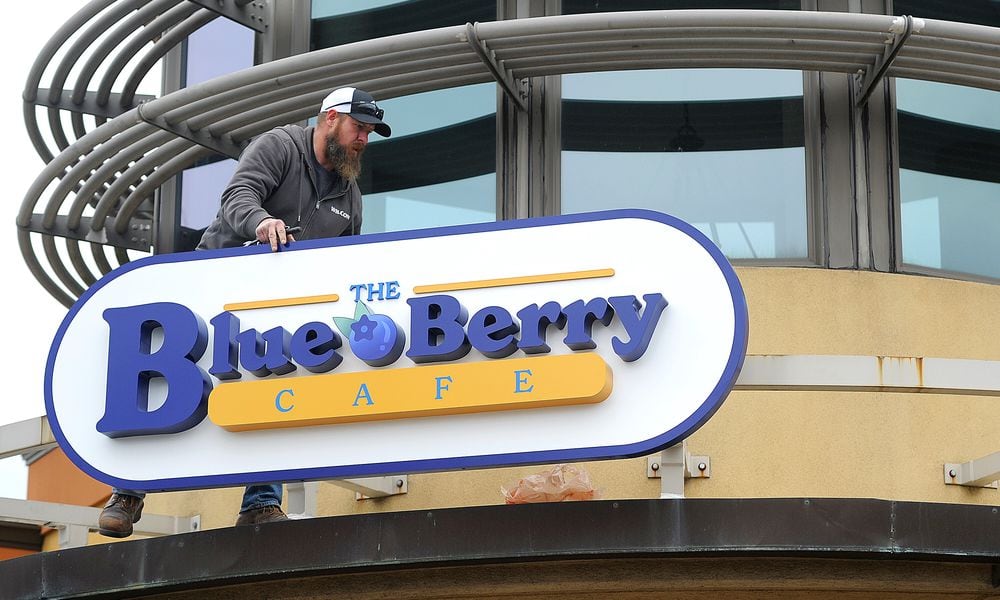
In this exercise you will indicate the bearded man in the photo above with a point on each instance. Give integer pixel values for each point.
(300, 177)
(291, 176)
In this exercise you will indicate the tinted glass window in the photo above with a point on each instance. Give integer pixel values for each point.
(722, 149)
(218, 48)
(949, 176)
(336, 22)
(979, 12)
(593, 6)
(949, 159)
(439, 166)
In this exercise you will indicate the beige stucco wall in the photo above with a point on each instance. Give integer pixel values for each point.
(780, 444)
(820, 311)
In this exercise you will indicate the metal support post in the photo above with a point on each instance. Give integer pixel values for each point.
(982, 472)
(672, 472)
(374, 487)
(289, 31)
(302, 499)
(674, 466)
(72, 536)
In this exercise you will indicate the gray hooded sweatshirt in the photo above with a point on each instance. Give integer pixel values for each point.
(278, 176)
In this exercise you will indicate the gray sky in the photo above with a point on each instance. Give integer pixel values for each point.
(32, 314)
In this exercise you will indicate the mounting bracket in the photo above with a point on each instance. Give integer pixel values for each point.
(675, 465)
(254, 17)
(899, 32)
(516, 90)
(222, 145)
(982, 472)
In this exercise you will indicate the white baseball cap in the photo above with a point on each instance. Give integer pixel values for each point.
(360, 105)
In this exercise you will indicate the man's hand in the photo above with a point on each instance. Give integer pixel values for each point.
(272, 231)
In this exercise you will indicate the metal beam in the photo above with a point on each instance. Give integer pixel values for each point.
(222, 145)
(20, 537)
(374, 487)
(139, 235)
(982, 472)
(249, 13)
(302, 496)
(71, 519)
(760, 372)
(90, 106)
(905, 374)
(25, 436)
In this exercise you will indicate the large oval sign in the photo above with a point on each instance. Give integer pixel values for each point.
(581, 337)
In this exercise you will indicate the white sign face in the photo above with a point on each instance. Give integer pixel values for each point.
(581, 337)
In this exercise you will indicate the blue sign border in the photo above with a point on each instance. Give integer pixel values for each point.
(664, 440)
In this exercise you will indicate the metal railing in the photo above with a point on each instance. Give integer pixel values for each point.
(96, 188)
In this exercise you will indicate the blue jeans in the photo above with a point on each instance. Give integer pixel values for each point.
(254, 496)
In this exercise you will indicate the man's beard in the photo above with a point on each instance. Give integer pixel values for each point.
(345, 161)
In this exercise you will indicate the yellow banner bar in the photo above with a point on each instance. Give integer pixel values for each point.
(235, 306)
(446, 389)
(526, 279)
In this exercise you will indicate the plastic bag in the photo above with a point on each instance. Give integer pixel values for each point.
(558, 484)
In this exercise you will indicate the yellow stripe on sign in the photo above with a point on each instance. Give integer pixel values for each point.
(491, 283)
(234, 306)
(446, 389)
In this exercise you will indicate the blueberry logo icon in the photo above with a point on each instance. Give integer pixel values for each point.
(374, 338)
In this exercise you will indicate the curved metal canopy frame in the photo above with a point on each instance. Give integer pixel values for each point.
(96, 186)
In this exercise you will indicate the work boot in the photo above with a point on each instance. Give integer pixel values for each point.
(265, 514)
(119, 514)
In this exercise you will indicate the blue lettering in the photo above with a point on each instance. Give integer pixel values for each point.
(267, 353)
(314, 347)
(372, 294)
(534, 321)
(436, 331)
(383, 290)
(580, 319)
(131, 366)
(225, 350)
(441, 388)
(639, 328)
(520, 378)
(363, 393)
(277, 401)
(491, 331)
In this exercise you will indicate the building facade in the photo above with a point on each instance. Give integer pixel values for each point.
(843, 154)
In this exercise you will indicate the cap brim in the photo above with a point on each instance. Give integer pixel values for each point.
(381, 127)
